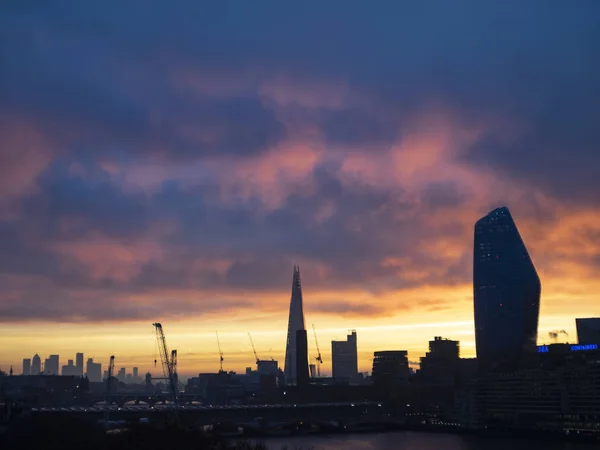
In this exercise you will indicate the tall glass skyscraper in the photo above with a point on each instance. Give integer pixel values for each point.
(506, 292)
(295, 323)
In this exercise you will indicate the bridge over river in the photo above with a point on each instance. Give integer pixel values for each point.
(248, 418)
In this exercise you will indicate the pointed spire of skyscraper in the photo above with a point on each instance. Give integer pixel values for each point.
(295, 323)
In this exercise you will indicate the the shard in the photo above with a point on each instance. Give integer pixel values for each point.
(295, 323)
(506, 291)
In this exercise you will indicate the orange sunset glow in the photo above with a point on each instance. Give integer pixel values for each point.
(182, 183)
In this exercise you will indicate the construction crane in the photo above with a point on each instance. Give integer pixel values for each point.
(318, 358)
(111, 371)
(169, 365)
(253, 349)
(555, 333)
(220, 354)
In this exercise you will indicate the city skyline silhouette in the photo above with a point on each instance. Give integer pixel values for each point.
(175, 165)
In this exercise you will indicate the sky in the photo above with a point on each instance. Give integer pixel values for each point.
(172, 161)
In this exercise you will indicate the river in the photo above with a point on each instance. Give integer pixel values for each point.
(409, 440)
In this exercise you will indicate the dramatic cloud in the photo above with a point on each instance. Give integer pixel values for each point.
(175, 162)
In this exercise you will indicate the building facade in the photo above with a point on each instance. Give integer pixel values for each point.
(295, 323)
(302, 374)
(93, 371)
(70, 369)
(51, 365)
(26, 366)
(588, 330)
(441, 363)
(344, 358)
(390, 369)
(36, 365)
(561, 393)
(79, 363)
(506, 292)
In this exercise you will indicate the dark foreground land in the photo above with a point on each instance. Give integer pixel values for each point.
(73, 434)
(68, 433)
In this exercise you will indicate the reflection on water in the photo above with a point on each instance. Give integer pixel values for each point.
(413, 441)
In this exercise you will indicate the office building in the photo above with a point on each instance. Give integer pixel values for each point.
(295, 323)
(268, 367)
(561, 394)
(26, 366)
(588, 330)
(36, 365)
(121, 376)
(344, 358)
(135, 372)
(93, 371)
(79, 363)
(441, 363)
(70, 369)
(506, 291)
(302, 375)
(390, 369)
(51, 365)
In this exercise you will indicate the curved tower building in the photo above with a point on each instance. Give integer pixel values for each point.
(506, 292)
(295, 323)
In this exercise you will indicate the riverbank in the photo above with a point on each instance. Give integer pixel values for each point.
(410, 440)
(484, 434)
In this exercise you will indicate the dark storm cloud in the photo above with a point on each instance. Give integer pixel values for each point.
(106, 66)
(80, 86)
(443, 195)
(345, 308)
(88, 201)
(17, 257)
(98, 78)
(107, 305)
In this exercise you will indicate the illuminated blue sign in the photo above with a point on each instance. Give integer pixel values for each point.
(572, 348)
(579, 348)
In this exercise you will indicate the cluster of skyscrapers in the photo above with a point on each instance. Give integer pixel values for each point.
(51, 366)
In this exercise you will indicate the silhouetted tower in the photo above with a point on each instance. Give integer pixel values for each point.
(302, 374)
(295, 323)
(506, 292)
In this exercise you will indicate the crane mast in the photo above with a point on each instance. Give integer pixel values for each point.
(220, 354)
(169, 365)
(174, 365)
(111, 371)
(319, 359)
(253, 349)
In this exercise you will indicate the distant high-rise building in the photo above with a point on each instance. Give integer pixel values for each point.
(441, 362)
(588, 330)
(79, 363)
(506, 292)
(390, 369)
(93, 371)
(301, 358)
(312, 368)
(135, 372)
(36, 365)
(70, 369)
(267, 367)
(121, 376)
(295, 323)
(344, 358)
(51, 365)
(26, 366)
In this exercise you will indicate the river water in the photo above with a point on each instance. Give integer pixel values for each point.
(409, 440)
